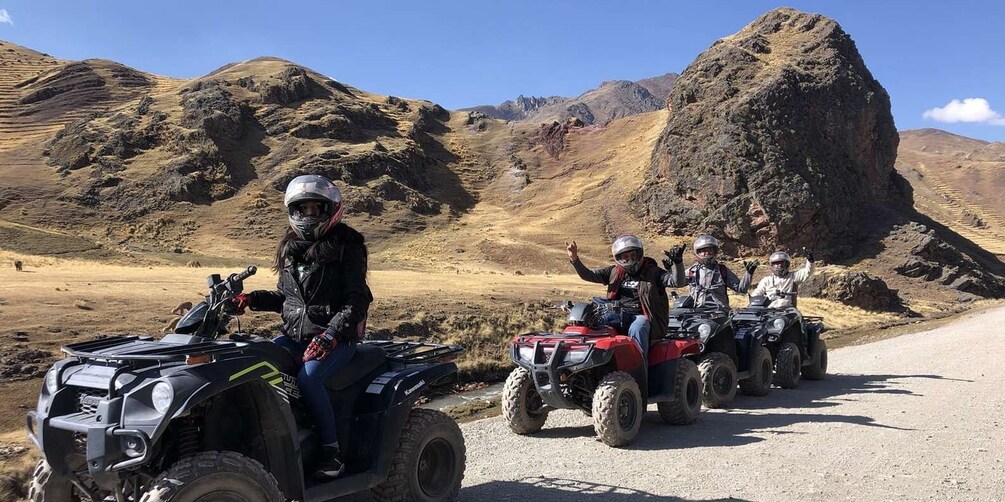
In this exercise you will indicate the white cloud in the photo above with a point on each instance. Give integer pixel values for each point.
(5, 17)
(968, 110)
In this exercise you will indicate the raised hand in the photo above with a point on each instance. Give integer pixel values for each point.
(750, 266)
(808, 253)
(573, 250)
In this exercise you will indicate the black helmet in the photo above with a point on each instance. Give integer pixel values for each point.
(312, 187)
(780, 257)
(627, 243)
(706, 241)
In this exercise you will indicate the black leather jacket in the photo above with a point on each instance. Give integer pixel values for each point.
(332, 291)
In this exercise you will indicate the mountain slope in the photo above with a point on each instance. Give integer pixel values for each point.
(610, 101)
(958, 181)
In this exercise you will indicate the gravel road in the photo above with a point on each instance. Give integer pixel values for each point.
(917, 417)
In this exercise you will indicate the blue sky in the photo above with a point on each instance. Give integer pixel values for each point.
(465, 53)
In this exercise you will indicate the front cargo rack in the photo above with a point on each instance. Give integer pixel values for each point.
(145, 348)
(415, 352)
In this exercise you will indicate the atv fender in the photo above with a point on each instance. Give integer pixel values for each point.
(663, 359)
(203, 382)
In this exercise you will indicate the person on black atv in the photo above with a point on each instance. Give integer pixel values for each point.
(638, 284)
(708, 279)
(782, 285)
(322, 295)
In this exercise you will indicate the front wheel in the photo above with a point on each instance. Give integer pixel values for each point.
(428, 464)
(818, 368)
(718, 380)
(617, 409)
(46, 487)
(759, 383)
(787, 367)
(686, 404)
(214, 475)
(521, 404)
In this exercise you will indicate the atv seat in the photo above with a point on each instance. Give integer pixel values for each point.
(366, 359)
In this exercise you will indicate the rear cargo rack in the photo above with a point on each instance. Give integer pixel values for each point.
(117, 348)
(415, 352)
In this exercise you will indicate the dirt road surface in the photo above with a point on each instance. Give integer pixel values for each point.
(918, 417)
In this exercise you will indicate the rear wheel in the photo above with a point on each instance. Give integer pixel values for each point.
(217, 476)
(718, 380)
(617, 409)
(521, 404)
(818, 368)
(686, 404)
(47, 487)
(787, 367)
(428, 465)
(759, 383)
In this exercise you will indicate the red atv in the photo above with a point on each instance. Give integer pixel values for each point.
(597, 369)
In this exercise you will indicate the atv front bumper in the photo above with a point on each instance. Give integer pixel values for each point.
(88, 439)
(547, 376)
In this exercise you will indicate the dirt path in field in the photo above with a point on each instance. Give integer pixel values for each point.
(917, 417)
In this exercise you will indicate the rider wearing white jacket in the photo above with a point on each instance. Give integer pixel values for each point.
(782, 280)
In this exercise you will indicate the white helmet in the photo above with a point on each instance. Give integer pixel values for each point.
(706, 241)
(312, 187)
(627, 243)
(780, 257)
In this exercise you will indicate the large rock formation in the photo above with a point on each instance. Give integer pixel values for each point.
(777, 135)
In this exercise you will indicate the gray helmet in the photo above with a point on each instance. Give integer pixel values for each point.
(780, 257)
(706, 241)
(312, 187)
(627, 243)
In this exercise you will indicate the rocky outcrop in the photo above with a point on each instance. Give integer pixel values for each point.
(551, 136)
(858, 289)
(778, 134)
(932, 259)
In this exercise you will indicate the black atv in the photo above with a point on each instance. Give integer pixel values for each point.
(786, 330)
(727, 356)
(200, 416)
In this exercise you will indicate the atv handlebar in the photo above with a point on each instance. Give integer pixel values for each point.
(240, 276)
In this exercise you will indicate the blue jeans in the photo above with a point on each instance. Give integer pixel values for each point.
(312, 377)
(639, 331)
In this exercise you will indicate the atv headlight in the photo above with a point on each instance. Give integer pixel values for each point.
(704, 331)
(777, 325)
(526, 354)
(576, 356)
(52, 381)
(161, 396)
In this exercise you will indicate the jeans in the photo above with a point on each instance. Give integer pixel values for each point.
(312, 377)
(639, 331)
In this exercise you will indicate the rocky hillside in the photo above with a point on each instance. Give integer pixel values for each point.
(610, 101)
(779, 136)
(957, 181)
(156, 164)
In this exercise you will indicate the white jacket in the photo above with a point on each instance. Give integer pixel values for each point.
(771, 285)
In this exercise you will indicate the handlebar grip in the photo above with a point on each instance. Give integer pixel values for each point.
(240, 276)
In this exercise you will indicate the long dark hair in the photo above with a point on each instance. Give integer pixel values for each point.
(329, 245)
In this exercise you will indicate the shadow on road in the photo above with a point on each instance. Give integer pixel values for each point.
(555, 489)
(748, 415)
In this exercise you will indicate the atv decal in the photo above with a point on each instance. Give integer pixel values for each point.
(290, 386)
(272, 376)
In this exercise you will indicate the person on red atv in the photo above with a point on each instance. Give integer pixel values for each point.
(638, 284)
(708, 279)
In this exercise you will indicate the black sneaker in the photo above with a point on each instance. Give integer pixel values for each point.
(331, 465)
